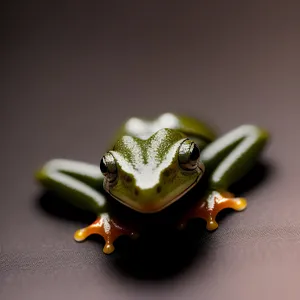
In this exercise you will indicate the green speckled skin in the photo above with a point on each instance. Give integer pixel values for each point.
(149, 177)
(146, 160)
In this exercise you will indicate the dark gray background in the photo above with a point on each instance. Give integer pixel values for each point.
(72, 72)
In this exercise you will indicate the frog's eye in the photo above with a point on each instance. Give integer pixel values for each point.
(188, 155)
(108, 167)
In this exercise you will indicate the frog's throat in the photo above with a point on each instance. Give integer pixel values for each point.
(155, 209)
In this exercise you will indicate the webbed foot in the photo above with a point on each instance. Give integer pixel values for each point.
(109, 228)
(209, 207)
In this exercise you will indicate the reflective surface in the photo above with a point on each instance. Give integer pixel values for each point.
(77, 71)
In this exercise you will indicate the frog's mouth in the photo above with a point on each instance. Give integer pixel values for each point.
(149, 208)
(155, 209)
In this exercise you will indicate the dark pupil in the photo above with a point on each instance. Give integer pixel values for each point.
(195, 153)
(103, 166)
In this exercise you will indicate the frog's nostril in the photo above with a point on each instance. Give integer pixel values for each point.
(167, 173)
(128, 179)
(136, 191)
(158, 189)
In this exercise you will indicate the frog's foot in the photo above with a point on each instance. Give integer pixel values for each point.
(209, 207)
(108, 228)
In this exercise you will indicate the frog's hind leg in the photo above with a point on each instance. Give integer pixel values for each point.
(227, 160)
(76, 182)
(80, 184)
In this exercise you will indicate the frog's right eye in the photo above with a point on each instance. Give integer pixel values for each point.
(108, 167)
(188, 155)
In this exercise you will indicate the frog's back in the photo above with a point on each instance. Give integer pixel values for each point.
(191, 127)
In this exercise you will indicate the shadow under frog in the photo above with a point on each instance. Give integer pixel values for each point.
(173, 144)
(165, 248)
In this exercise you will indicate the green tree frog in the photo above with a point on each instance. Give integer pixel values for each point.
(153, 164)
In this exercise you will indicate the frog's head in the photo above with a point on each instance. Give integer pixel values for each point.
(149, 175)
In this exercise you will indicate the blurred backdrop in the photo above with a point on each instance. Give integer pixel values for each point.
(73, 71)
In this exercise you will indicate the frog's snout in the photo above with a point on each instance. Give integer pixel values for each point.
(148, 194)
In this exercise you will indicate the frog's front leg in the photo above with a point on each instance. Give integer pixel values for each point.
(80, 184)
(227, 160)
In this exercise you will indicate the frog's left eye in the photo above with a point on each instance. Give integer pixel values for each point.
(108, 167)
(188, 155)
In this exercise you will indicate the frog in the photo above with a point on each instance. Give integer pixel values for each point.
(150, 165)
